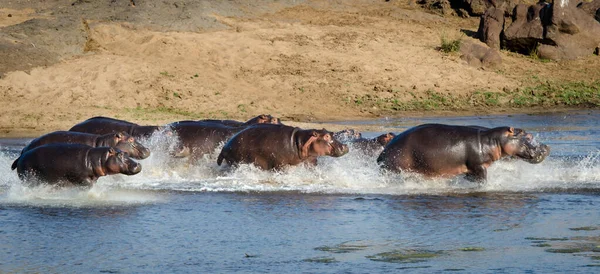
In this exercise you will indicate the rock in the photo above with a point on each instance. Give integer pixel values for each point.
(556, 31)
(491, 27)
(591, 8)
(526, 30)
(441, 6)
(479, 55)
(571, 32)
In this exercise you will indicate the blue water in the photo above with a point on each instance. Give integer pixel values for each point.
(345, 215)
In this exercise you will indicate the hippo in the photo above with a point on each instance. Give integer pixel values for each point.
(73, 164)
(197, 138)
(437, 150)
(260, 119)
(272, 147)
(104, 125)
(347, 135)
(372, 146)
(119, 140)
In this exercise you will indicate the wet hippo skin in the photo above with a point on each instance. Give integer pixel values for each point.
(437, 150)
(276, 146)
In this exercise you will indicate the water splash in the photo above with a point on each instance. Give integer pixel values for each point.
(353, 173)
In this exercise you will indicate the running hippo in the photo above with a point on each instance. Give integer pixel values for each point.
(372, 146)
(444, 150)
(260, 119)
(276, 146)
(197, 138)
(104, 125)
(347, 135)
(80, 165)
(120, 140)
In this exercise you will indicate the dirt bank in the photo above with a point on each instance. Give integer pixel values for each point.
(66, 61)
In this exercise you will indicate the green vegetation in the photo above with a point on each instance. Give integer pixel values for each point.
(405, 256)
(342, 248)
(166, 74)
(541, 94)
(585, 228)
(472, 248)
(449, 46)
(323, 260)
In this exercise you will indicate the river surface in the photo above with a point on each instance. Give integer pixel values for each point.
(344, 216)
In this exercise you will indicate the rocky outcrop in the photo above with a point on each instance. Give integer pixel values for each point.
(591, 8)
(491, 27)
(559, 30)
(479, 55)
(472, 7)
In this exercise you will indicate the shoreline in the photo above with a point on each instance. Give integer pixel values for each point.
(329, 124)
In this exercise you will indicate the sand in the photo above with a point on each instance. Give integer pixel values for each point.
(303, 62)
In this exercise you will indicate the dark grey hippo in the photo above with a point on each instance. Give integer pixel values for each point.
(437, 150)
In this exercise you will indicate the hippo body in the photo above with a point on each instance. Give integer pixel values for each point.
(373, 146)
(275, 146)
(104, 125)
(121, 141)
(260, 119)
(199, 138)
(436, 150)
(76, 164)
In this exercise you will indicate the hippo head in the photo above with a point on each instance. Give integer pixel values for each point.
(322, 142)
(520, 144)
(263, 119)
(116, 161)
(384, 139)
(130, 145)
(347, 135)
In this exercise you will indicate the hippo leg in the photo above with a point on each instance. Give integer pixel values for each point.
(477, 174)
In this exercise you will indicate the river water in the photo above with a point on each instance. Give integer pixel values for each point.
(345, 215)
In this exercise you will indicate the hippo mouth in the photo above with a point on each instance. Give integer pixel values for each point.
(133, 168)
(337, 150)
(143, 152)
(538, 154)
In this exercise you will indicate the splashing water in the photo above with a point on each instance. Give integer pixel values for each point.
(353, 173)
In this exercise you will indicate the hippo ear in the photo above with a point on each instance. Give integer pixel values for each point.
(315, 134)
(511, 130)
(112, 151)
(120, 135)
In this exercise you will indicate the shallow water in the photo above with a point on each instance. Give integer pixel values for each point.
(343, 216)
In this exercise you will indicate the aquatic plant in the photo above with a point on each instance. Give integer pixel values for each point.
(404, 256)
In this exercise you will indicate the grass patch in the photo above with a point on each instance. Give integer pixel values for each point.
(542, 94)
(450, 45)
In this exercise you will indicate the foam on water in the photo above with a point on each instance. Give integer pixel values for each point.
(353, 173)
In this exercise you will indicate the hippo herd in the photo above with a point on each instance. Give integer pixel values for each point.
(103, 146)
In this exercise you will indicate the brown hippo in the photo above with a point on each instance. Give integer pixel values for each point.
(60, 164)
(104, 125)
(260, 119)
(276, 146)
(372, 146)
(197, 138)
(347, 135)
(444, 150)
(120, 140)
